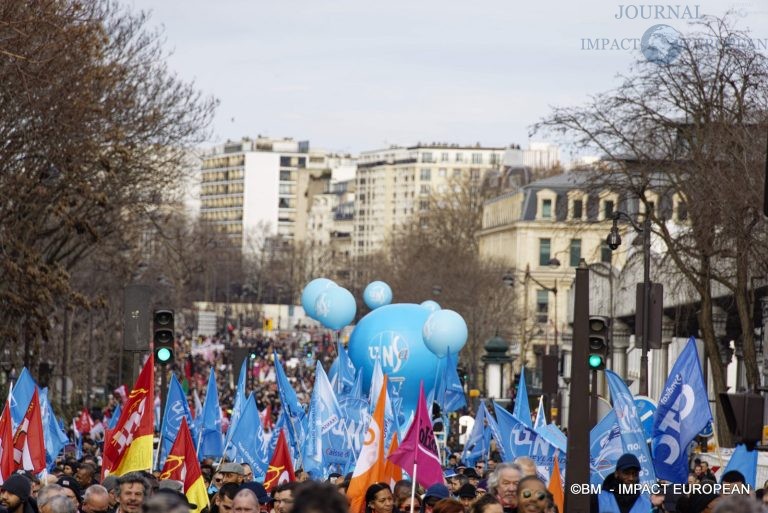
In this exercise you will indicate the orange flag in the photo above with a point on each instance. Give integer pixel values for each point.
(369, 468)
(281, 467)
(182, 465)
(556, 486)
(392, 472)
(7, 464)
(129, 446)
(28, 441)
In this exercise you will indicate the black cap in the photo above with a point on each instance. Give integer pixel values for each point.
(627, 461)
(258, 489)
(467, 491)
(71, 483)
(18, 485)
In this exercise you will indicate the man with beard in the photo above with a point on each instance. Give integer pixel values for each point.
(617, 495)
(502, 484)
(15, 493)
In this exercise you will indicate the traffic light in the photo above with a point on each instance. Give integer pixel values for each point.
(163, 336)
(744, 416)
(599, 340)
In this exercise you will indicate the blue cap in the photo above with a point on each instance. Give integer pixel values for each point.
(438, 490)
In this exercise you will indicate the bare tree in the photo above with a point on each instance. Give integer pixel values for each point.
(686, 136)
(94, 130)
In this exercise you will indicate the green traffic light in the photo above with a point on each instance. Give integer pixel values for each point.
(595, 361)
(164, 355)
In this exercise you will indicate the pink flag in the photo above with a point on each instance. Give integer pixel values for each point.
(420, 448)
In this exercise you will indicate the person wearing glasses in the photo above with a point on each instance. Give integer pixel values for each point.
(532, 495)
(283, 497)
(95, 500)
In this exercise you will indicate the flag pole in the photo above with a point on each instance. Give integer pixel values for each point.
(413, 485)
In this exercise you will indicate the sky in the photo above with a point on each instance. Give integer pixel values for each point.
(356, 75)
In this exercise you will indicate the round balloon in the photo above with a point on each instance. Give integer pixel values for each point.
(392, 334)
(430, 305)
(377, 294)
(310, 293)
(335, 307)
(444, 331)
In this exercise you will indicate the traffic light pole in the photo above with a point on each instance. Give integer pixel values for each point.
(577, 458)
(646, 304)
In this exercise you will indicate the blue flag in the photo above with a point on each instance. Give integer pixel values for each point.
(21, 395)
(632, 434)
(744, 461)
(325, 448)
(449, 393)
(479, 440)
(176, 408)
(249, 446)
(605, 448)
(521, 440)
(211, 441)
(522, 408)
(354, 425)
(237, 408)
(342, 372)
(55, 437)
(682, 413)
(295, 416)
(115, 417)
(553, 435)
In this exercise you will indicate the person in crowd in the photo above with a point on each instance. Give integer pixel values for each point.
(706, 471)
(467, 495)
(527, 466)
(282, 497)
(486, 504)
(472, 476)
(457, 481)
(532, 495)
(449, 505)
(379, 499)
(110, 483)
(736, 480)
(69, 468)
(402, 490)
(71, 489)
(232, 473)
(247, 473)
(263, 498)
(313, 497)
(434, 493)
(698, 471)
(223, 500)
(133, 490)
(85, 475)
(301, 475)
(46, 494)
(404, 505)
(502, 484)
(614, 497)
(335, 478)
(167, 501)
(700, 502)
(15, 494)
(61, 504)
(245, 502)
(95, 499)
(737, 504)
(551, 506)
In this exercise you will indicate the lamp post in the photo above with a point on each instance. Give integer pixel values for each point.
(509, 280)
(614, 241)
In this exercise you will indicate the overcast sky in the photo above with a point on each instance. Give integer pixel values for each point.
(356, 75)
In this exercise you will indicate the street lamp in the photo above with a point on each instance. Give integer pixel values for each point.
(614, 241)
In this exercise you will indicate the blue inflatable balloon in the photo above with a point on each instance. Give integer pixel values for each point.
(392, 334)
(377, 294)
(310, 293)
(430, 305)
(335, 307)
(445, 330)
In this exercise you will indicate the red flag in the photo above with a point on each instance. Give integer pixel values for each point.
(84, 422)
(129, 446)
(182, 465)
(281, 467)
(419, 448)
(7, 465)
(266, 418)
(28, 442)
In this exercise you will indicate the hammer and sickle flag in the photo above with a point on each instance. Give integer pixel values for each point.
(281, 467)
(182, 465)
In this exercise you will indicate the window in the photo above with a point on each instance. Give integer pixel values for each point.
(426, 156)
(423, 205)
(608, 209)
(424, 188)
(477, 158)
(542, 306)
(442, 172)
(426, 174)
(459, 157)
(606, 255)
(456, 173)
(285, 161)
(578, 207)
(444, 157)
(286, 176)
(546, 209)
(544, 251)
(575, 252)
